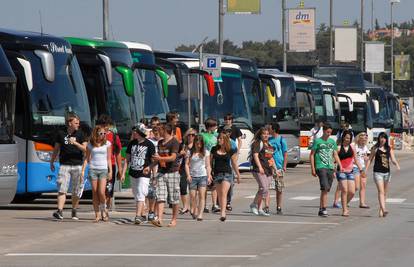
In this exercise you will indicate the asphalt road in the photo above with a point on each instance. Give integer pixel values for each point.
(30, 237)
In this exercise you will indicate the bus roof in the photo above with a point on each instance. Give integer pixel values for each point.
(95, 43)
(276, 73)
(192, 63)
(302, 78)
(136, 45)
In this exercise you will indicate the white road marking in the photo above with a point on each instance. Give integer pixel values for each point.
(125, 255)
(395, 200)
(304, 198)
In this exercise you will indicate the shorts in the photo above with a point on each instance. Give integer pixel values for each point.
(152, 194)
(183, 185)
(263, 182)
(356, 171)
(69, 175)
(345, 176)
(325, 179)
(220, 177)
(140, 188)
(96, 174)
(168, 186)
(382, 177)
(198, 182)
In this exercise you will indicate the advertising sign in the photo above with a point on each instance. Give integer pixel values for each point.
(302, 29)
(243, 6)
(402, 68)
(345, 44)
(374, 57)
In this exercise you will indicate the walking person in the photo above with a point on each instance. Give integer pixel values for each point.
(382, 154)
(168, 178)
(173, 119)
(345, 177)
(263, 164)
(70, 145)
(98, 156)
(139, 155)
(280, 157)
(322, 156)
(222, 156)
(198, 170)
(116, 159)
(155, 136)
(362, 152)
(185, 148)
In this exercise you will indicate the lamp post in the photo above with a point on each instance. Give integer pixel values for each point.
(105, 16)
(284, 35)
(330, 32)
(392, 2)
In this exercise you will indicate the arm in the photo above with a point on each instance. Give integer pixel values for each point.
(338, 161)
(235, 167)
(85, 162)
(394, 160)
(109, 161)
(208, 168)
(124, 169)
(357, 161)
(56, 149)
(371, 158)
(312, 161)
(187, 169)
(239, 144)
(285, 161)
(80, 146)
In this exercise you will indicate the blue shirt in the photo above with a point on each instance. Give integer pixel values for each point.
(280, 146)
(233, 144)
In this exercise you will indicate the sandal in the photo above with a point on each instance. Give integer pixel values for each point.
(97, 219)
(184, 211)
(364, 206)
(156, 223)
(172, 224)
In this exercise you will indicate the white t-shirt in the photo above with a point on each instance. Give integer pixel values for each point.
(99, 156)
(316, 132)
(198, 165)
(361, 153)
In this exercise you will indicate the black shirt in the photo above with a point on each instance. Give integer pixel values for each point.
(221, 163)
(382, 161)
(265, 152)
(69, 154)
(141, 154)
(165, 150)
(235, 132)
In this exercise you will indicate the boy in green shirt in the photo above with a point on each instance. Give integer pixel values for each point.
(323, 153)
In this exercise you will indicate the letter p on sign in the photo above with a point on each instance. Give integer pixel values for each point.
(211, 63)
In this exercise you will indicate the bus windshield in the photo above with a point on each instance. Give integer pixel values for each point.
(382, 117)
(50, 102)
(143, 56)
(316, 89)
(343, 78)
(249, 85)
(357, 118)
(395, 112)
(229, 98)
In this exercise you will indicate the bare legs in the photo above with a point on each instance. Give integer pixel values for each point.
(222, 190)
(382, 188)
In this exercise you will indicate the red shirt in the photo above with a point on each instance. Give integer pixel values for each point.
(110, 138)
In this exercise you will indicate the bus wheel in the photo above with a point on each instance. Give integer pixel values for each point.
(292, 165)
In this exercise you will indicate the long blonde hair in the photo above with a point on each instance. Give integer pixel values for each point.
(95, 136)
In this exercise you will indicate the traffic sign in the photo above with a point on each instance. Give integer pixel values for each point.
(212, 64)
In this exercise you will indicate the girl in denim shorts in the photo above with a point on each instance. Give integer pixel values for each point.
(98, 155)
(382, 153)
(198, 170)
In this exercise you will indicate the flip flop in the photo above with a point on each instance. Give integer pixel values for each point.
(171, 224)
(156, 223)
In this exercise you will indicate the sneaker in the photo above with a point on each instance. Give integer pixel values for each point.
(206, 210)
(279, 211)
(337, 205)
(58, 214)
(323, 213)
(215, 209)
(253, 209)
(74, 215)
(138, 220)
(151, 216)
(266, 209)
(263, 213)
(144, 218)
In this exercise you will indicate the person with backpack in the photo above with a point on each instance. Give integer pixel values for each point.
(382, 154)
(345, 177)
(116, 159)
(280, 157)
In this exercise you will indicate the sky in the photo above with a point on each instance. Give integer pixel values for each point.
(165, 24)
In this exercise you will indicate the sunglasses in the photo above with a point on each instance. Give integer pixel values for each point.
(102, 133)
(191, 134)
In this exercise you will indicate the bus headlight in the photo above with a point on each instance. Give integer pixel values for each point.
(8, 170)
(43, 151)
(44, 155)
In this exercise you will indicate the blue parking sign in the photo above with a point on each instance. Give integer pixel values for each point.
(211, 63)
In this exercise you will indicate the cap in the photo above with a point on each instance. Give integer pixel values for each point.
(140, 129)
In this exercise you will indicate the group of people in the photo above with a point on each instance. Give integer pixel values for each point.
(165, 166)
(349, 163)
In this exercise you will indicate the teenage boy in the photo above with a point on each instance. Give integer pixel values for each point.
(168, 178)
(323, 154)
(139, 155)
(236, 134)
(70, 145)
(173, 118)
(280, 156)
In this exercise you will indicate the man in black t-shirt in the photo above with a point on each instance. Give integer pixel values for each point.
(70, 145)
(139, 158)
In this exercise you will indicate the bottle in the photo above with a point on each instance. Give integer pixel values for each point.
(109, 187)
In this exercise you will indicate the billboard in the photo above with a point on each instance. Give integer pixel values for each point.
(243, 6)
(301, 28)
(374, 57)
(345, 44)
(402, 67)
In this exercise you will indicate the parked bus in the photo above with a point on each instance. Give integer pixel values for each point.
(396, 111)
(112, 86)
(49, 85)
(154, 79)
(8, 147)
(285, 109)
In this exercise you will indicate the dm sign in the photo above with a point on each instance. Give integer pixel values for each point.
(212, 64)
(302, 30)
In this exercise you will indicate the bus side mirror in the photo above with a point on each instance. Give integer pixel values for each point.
(350, 104)
(210, 84)
(376, 106)
(164, 80)
(278, 87)
(108, 68)
(27, 67)
(127, 78)
(337, 103)
(271, 98)
(48, 64)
